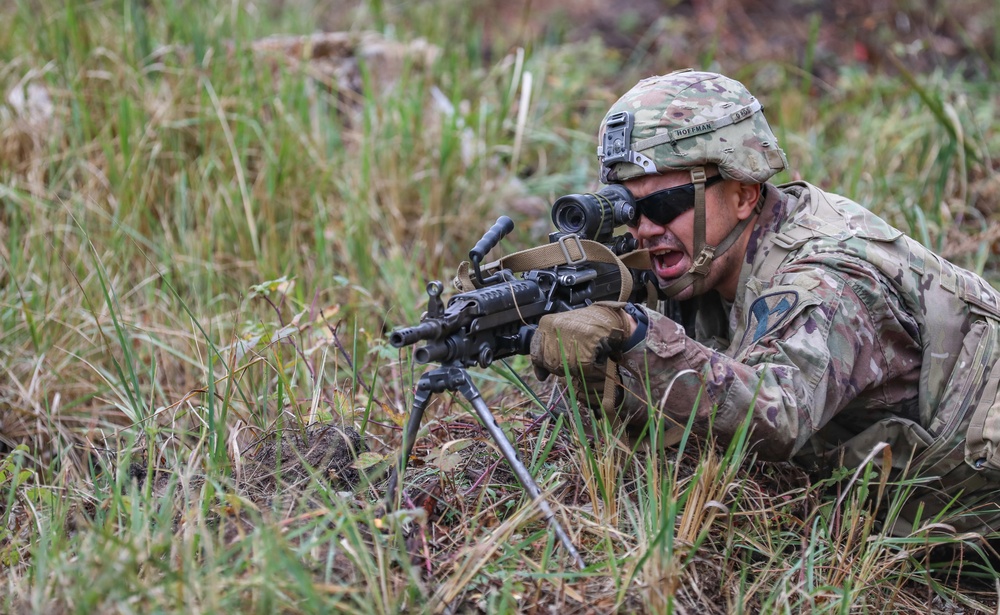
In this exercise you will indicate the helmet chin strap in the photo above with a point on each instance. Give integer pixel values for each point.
(704, 253)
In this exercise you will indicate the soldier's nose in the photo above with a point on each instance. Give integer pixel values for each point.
(648, 229)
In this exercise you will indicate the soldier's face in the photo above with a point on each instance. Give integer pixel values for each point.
(671, 245)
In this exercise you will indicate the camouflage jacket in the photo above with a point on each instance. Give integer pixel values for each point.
(847, 334)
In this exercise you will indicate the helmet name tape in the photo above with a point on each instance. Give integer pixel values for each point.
(678, 134)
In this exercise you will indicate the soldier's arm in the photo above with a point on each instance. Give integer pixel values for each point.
(796, 366)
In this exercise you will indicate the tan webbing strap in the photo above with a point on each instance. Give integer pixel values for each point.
(611, 383)
(692, 275)
(566, 251)
(652, 295)
(703, 253)
(569, 250)
(698, 179)
(463, 281)
(637, 259)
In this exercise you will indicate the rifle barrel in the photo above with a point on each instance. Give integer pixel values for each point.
(430, 330)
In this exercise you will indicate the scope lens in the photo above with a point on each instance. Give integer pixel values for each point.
(594, 215)
(569, 213)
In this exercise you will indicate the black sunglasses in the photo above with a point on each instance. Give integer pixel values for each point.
(663, 206)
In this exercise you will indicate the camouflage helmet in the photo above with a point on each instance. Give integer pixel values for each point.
(688, 119)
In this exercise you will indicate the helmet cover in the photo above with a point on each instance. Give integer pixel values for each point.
(688, 119)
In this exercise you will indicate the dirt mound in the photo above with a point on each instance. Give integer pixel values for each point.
(320, 454)
(320, 450)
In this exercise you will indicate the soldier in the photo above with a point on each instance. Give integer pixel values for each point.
(835, 330)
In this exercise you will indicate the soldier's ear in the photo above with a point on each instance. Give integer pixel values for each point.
(749, 194)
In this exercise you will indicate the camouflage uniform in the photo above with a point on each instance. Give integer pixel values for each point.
(847, 332)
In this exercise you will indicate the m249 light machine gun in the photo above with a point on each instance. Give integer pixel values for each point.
(499, 305)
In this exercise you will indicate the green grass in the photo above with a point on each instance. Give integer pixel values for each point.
(204, 243)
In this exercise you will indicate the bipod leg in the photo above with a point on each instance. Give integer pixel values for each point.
(420, 398)
(469, 390)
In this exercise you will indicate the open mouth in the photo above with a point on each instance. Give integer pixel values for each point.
(668, 264)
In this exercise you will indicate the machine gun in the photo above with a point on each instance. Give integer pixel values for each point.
(499, 306)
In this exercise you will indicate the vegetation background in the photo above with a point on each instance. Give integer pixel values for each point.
(211, 213)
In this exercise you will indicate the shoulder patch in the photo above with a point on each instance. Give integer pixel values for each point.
(769, 311)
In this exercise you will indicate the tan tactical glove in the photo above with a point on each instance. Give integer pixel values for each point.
(591, 339)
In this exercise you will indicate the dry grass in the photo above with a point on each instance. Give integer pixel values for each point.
(205, 232)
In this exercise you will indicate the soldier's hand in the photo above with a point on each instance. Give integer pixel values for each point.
(588, 338)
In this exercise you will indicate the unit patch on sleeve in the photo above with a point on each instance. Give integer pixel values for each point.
(768, 312)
